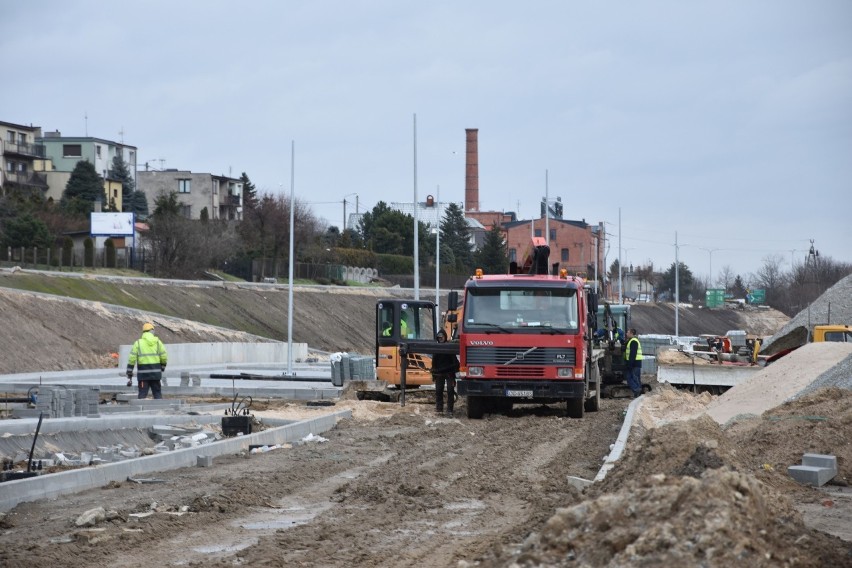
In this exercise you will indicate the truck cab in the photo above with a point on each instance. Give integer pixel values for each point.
(839, 333)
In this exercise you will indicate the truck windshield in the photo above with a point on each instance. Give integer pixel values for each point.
(519, 309)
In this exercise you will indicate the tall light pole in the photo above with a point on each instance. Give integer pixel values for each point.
(438, 252)
(620, 266)
(416, 236)
(290, 287)
(710, 268)
(677, 288)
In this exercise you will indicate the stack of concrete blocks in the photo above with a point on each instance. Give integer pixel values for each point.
(816, 469)
(361, 368)
(60, 402)
(186, 377)
(650, 347)
(336, 373)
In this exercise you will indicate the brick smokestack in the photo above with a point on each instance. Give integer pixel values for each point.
(471, 170)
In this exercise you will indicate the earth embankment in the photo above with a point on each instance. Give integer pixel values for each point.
(76, 322)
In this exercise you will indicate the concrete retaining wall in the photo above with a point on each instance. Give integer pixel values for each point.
(184, 354)
(55, 485)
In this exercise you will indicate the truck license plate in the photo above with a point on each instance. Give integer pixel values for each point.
(519, 393)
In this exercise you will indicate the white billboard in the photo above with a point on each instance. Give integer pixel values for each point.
(112, 225)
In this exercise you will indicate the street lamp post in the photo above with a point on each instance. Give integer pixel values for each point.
(710, 268)
(438, 252)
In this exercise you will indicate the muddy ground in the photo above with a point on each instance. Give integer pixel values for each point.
(399, 486)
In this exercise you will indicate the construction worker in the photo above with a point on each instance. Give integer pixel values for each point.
(633, 362)
(149, 354)
(444, 368)
(403, 325)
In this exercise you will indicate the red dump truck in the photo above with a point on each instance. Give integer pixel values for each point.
(526, 337)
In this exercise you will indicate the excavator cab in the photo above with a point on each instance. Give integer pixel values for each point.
(401, 321)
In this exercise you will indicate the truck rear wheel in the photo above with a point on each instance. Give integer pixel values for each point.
(575, 408)
(475, 407)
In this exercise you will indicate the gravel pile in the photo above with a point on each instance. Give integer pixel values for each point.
(839, 376)
(834, 306)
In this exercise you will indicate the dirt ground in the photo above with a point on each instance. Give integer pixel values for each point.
(400, 486)
(393, 486)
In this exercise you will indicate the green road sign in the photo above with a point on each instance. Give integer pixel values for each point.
(756, 297)
(714, 297)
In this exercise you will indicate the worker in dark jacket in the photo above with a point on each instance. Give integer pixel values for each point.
(444, 368)
(633, 362)
(149, 354)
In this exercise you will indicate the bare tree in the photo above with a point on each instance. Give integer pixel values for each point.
(266, 229)
(726, 277)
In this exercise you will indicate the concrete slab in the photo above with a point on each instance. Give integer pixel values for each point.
(821, 460)
(810, 475)
(710, 375)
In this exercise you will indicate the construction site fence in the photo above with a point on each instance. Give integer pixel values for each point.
(57, 259)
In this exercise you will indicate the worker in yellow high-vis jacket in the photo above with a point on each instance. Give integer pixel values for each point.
(149, 355)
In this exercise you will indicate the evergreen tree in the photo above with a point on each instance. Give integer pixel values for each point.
(138, 204)
(455, 233)
(492, 257)
(684, 277)
(249, 192)
(738, 289)
(83, 188)
(167, 205)
(128, 186)
(25, 231)
(389, 231)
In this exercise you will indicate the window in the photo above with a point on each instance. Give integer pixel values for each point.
(552, 234)
(538, 232)
(215, 187)
(72, 151)
(564, 255)
(184, 185)
(10, 166)
(186, 211)
(98, 150)
(131, 157)
(22, 138)
(513, 255)
(10, 137)
(520, 309)
(22, 167)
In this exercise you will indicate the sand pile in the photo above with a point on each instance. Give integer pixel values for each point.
(688, 493)
(833, 306)
(780, 381)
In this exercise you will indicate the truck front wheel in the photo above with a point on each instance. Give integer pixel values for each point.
(575, 408)
(475, 407)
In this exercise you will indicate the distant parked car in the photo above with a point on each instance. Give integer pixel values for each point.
(644, 298)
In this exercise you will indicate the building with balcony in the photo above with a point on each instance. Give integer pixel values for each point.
(222, 196)
(65, 151)
(21, 157)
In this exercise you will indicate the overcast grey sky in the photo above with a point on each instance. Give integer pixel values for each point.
(728, 122)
